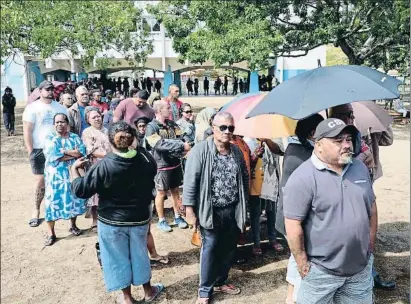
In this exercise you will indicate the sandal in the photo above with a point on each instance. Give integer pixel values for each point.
(159, 289)
(228, 289)
(257, 251)
(34, 222)
(277, 246)
(50, 240)
(160, 260)
(93, 228)
(75, 231)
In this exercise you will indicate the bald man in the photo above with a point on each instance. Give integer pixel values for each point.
(165, 138)
(174, 102)
(66, 100)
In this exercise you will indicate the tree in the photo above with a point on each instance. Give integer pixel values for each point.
(370, 32)
(79, 28)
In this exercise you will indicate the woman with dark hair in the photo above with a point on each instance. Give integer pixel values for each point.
(298, 151)
(124, 181)
(186, 123)
(61, 148)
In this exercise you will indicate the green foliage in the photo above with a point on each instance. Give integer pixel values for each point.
(335, 56)
(370, 32)
(83, 28)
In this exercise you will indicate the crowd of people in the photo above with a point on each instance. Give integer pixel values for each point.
(118, 160)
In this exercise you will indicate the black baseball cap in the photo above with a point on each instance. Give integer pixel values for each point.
(46, 84)
(332, 127)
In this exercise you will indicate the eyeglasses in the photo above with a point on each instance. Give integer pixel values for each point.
(223, 128)
(188, 112)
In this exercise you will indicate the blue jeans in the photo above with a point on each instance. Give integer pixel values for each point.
(8, 119)
(255, 215)
(124, 255)
(218, 250)
(319, 287)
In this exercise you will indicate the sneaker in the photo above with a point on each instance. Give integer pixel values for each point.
(181, 223)
(163, 226)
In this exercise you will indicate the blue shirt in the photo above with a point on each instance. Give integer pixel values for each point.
(83, 119)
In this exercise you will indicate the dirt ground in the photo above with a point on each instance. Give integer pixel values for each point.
(68, 271)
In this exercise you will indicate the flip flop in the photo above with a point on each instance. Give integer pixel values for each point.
(75, 231)
(227, 289)
(160, 260)
(50, 240)
(159, 288)
(93, 228)
(34, 222)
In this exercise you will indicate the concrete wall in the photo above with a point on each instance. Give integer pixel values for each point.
(16, 77)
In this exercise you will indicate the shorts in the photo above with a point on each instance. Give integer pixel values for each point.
(168, 179)
(37, 161)
(124, 255)
(293, 277)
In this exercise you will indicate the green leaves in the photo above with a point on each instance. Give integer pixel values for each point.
(84, 28)
(371, 32)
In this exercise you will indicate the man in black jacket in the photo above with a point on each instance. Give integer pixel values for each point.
(9, 103)
(168, 147)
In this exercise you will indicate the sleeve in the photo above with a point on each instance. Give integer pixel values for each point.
(387, 138)
(88, 141)
(13, 102)
(29, 115)
(163, 145)
(52, 150)
(192, 176)
(3, 102)
(88, 185)
(119, 111)
(297, 196)
(80, 145)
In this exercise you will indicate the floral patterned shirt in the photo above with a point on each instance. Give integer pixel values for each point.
(224, 183)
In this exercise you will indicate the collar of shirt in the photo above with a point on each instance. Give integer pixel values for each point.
(320, 165)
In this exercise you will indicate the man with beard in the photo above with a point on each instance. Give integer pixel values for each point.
(38, 122)
(331, 220)
(131, 108)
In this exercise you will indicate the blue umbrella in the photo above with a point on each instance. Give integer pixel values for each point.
(325, 87)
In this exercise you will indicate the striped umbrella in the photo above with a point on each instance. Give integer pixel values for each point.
(264, 126)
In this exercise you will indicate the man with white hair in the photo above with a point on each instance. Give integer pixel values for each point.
(168, 147)
(77, 112)
(216, 192)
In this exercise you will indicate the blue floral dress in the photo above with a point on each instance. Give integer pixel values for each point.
(60, 203)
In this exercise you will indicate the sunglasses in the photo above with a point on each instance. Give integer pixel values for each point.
(342, 115)
(188, 112)
(141, 125)
(223, 128)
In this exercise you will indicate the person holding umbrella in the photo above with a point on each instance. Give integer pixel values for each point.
(371, 159)
(38, 122)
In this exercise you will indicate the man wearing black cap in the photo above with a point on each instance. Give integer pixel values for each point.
(331, 219)
(38, 122)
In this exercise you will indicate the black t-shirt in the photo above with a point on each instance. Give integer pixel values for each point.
(124, 185)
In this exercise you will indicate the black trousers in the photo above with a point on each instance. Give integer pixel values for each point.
(8, 119)
(218, 250)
